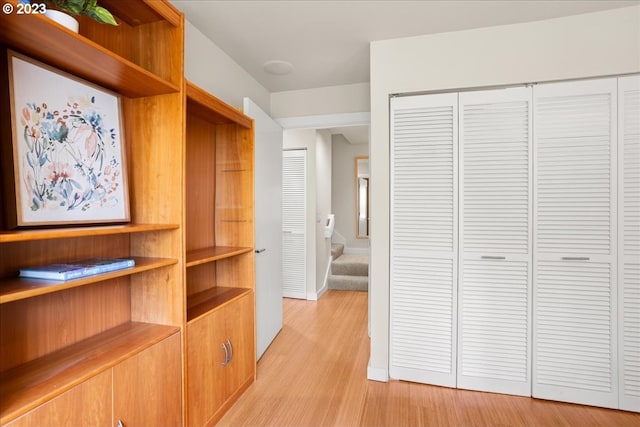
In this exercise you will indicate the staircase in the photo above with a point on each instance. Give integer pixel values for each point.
(349, 272)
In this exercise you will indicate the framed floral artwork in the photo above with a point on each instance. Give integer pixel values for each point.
(68, 148)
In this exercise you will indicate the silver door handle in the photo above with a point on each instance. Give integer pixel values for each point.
(259, 251)
(492, 257)
(575, 258)
(230, 350)
(226, 354)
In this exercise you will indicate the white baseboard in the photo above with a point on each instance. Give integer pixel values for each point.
(377, 374)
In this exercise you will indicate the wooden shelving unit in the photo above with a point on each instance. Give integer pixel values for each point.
(211, 299)
(57, 336)
(16, 288)
(8, 236)
(36, 382)
(105, 338)
(214, 253)
(220, 257)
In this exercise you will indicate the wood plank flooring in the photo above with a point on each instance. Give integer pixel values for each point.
(314, 374)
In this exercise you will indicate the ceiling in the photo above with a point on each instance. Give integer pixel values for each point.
(327, 42)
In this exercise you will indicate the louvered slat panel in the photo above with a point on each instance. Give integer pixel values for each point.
(421, 321)
(495, 172)
(494, 324)
(423, 239)
(294, 269)
(573, 326)
(573, 174)
(423, 178)
(575, 337)
(495, 295)
(629, 241)
(630, 351)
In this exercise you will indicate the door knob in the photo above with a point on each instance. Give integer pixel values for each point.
(259, 251)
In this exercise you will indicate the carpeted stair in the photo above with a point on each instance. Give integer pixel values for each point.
(349, 272)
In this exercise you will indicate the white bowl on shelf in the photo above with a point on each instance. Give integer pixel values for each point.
(63, 19)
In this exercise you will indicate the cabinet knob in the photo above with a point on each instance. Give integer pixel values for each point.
(226, 354)
(119, 423)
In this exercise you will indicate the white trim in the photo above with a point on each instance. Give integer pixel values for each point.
(325, 121)
(377, 374)
(314, 296)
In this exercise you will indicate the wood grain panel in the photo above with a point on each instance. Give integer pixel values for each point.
(31, 384)
(200, 183)
(237, 272)
(205, 372)
(201, 278)
(88, 404)
(26, 254)
(147, 388)
(34, 327)
(241, 334)
(155, 157)
(202, 104)
(159, 49)
(234, 187)
(59, 47)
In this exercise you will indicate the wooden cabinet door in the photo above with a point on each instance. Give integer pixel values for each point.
(240, 333)
(88, 404)
(147, 388)
(205, 367)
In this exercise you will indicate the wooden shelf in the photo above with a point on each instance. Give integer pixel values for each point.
(65, 233)
(145, 12)
(16, 288)
(214, 298)
(203, 105)
(214, 253)
(33, 383)
(59, 47)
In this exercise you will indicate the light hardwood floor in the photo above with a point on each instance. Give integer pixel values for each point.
(314, 374)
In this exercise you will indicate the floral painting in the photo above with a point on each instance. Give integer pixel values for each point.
(68, 148)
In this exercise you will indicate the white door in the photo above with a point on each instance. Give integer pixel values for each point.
(423, 282)
(629, 241)
(294, 214)
(574, 278)
(494, 290)
(268, 191)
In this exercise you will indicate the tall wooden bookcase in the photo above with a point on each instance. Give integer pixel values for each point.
(220, 258)
(97, 350)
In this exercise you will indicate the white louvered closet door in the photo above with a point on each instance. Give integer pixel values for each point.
(494, 291)
(294, 224)
(574, 277)
(629, 241)
(424, 195)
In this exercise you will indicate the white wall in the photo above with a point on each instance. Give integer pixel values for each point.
(352, 98)
(589, 45)
(343, 188)
(207, 66)
(323, 206)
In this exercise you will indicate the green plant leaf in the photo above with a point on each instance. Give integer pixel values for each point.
(103, 16)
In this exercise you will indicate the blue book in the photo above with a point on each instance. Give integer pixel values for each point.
(77, 269)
